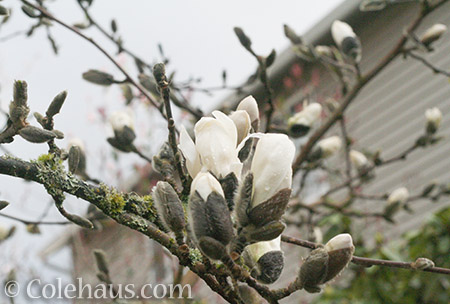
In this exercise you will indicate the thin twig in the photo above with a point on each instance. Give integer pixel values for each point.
(101, 49)
(428, 64)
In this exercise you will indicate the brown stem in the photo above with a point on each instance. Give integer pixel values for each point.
(428, 64)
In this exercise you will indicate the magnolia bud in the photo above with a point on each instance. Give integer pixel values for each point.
(433, 33)
(271, 166)
(209, 217)
(422, 263)
(250, 105)
(340, 252)
(265, 260)
(326, 262)
(77, 156)
(169, 206)
(291, 35)
(33, 229)
(400, 195)
(190, 153)
(98, 77)
(434, 117)
(36, 135)
(300, 124)
(56, 104)
(4, 233)
(358, 159)
(18, 108)
(346, 40)
(329, 146)
(122, 124)
(243, 125)
(243, 39)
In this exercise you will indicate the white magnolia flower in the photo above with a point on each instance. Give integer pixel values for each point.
(204, 183)
(120, 119)
(358, 159)
(307, 116)
(243, 124)
(346, 39)
(340, 241)
(257, 250)
(434, 117)
(190, 153)
(330, 145)
(433, 33)
(271, 166)
(400, 195)
(249, 105)
(216, 141)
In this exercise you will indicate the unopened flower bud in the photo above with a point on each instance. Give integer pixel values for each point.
(243, 39)
(326, 262)
(434, 117)
(98, 77)
(56, 104)
(209, 217)
(291, 35)
(433, 33)
(36, 135)
(400, 195)
(340, 251)
(422, 263)
(122, 124)
(33, 229)
(329, 146)
(358, 159)
(346, 40)
(372, 5)
(266, 260)
(300, 124)
(169, 206)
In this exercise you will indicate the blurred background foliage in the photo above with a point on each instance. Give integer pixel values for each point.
(382, 285)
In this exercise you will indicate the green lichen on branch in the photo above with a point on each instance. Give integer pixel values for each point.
(195, 256)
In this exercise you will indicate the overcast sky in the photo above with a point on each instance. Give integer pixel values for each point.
(198, 38)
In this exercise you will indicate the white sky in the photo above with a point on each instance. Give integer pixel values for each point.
(198, 38)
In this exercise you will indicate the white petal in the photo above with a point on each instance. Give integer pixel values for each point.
(249, 105)
(120, 119)
(330, 145)
(341, 30)
(358, 159)
(340, 241)
(204, 183)
(271, 166)
(243, 124)
(257, 250)
(190, 153)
